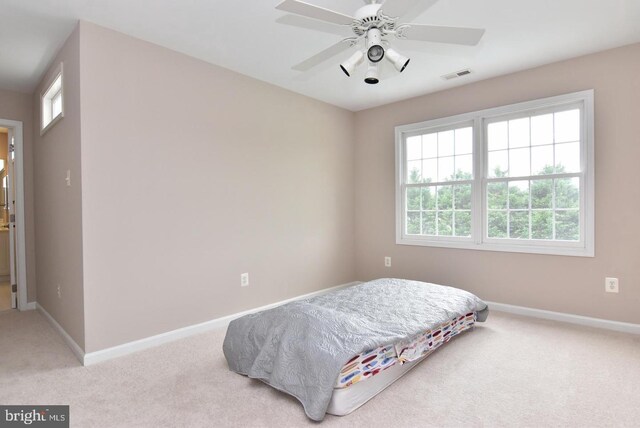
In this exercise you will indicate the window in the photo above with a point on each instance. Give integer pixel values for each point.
(515, 178)
(52, 102)
(439, 181)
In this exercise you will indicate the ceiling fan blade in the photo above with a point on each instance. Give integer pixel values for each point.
(315, 12)
(326, 54)
(314, 24)
(398, 8)
(438, 34)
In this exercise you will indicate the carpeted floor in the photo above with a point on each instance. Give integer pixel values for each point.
(510, 372)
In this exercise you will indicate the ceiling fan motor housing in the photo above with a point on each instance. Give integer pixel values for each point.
(368, 13)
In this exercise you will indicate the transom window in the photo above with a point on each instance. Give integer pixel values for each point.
(51, 102)
(514, 178)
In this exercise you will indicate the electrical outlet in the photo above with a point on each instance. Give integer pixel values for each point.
(611, 285)
(244, 279)
(59, 292)
(387, 261)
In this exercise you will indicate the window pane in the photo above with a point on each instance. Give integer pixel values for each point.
(498, 136)
(413, 223)
(429, 223)
(497, 224)
(519, 224)
(413, 198)
(542, 224)
(542, 160)
(498, 164)
(518, 195)
(430, 170)
(568, 225)
(567, 126)
(463, 223)
(56, 105)
(445, 143)
(464, 141)
(445, 168)
(542, 130)
(568, 193)
(428, 198)
(430, 146)
(519, 165)
(497, 195)
(464, 167)
(414, 172)
(519, 132)
(414, 148)
(462, 196)
(445, 223)
(51, 102)
(445, 197)
(568, 157)
(542, 194)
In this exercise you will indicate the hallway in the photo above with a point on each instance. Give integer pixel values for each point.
(5, 296)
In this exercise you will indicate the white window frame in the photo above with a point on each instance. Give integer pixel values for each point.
(47, 120)
(478, 241)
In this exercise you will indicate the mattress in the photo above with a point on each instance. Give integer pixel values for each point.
(346, 400)
(301, 347)
(384, 365)
(373, 362)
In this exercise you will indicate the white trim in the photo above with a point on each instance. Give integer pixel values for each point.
(75, 348)
(16, 126)
(564, 317)
(149, 342)
(31, 306)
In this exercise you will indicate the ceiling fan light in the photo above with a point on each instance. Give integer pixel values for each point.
(350, 64)
(375, 51)
(398, 60)
(371, 76)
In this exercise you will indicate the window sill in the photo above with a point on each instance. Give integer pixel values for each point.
(575, 250)
(51, 124)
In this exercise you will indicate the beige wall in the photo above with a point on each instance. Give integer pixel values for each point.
(58, 217)
(192, 175)
(3, 145)
(18, 106)
(566, 284)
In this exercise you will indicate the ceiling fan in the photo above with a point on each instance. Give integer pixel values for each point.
(375, 23)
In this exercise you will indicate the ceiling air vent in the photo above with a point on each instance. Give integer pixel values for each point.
(456, 74)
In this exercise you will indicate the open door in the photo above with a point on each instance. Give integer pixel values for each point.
(10, 201)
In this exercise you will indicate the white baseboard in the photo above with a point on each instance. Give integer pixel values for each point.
(148, 342)
(30, 306)
(563, 317)
(75, 348)
(159, 339)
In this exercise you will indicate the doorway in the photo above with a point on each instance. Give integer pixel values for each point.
(13, 286)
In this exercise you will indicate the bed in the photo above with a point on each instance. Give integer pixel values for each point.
(336, 351)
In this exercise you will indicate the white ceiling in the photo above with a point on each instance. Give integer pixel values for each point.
(245, 36)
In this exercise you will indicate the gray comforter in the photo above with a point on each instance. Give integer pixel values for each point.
(300, 347)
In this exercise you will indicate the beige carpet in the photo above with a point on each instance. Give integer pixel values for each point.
(510, 372)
